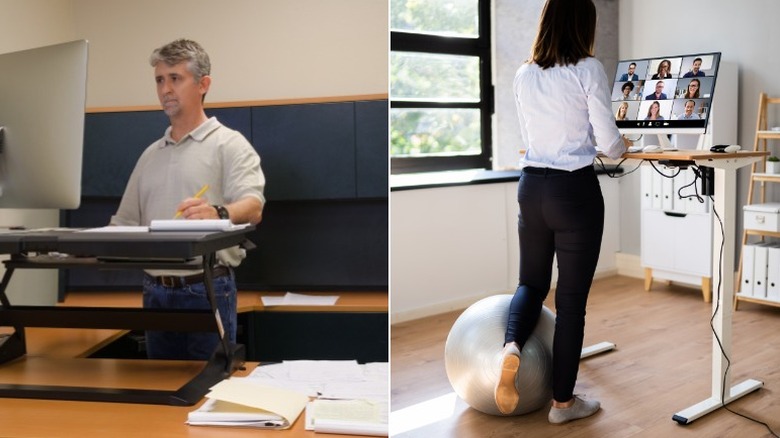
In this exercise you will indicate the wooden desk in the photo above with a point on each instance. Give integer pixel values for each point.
(50, 418)
(59, 357)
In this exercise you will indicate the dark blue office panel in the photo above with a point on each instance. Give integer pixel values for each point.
(319, 245)
(307, 151)
(371, 138)
(238, 118)
(112, 144)
(278, 336)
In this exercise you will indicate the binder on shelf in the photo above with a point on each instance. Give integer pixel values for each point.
(646, 173)
(759, 271)
(748, 253)
(657, 200)
(773, 273)
(668, 201)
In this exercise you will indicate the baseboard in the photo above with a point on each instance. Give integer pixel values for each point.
(629, 265)
(439, 308)
(626, 264)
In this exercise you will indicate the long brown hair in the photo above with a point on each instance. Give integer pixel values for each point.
(566, 34)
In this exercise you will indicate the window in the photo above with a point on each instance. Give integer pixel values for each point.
(441, 96)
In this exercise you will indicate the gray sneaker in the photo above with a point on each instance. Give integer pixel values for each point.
(580, 409)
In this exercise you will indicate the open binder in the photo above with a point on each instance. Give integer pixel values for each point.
(240, 402)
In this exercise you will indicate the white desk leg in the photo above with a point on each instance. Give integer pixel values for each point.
(601, 347)
(723, 275)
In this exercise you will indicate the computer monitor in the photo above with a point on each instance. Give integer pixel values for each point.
(665, 94)
(42, 102)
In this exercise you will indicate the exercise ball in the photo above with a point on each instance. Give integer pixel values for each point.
(472, 357)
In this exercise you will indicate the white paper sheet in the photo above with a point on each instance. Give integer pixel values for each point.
(293, 299)
(194, 225)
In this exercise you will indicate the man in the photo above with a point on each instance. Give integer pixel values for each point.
(659, 92)
(630, 76)
(194, 151)
(689, 114)
(695, 69)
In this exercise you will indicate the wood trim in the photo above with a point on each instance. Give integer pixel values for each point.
(248, 301)
(247, 103)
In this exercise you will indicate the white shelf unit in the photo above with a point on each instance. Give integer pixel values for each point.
(764, 141)
(676, 240)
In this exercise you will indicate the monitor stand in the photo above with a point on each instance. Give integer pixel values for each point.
(678, 141)
(687, 141)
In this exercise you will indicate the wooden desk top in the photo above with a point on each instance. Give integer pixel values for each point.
(247, 301)
(54, 418)
(690, 155)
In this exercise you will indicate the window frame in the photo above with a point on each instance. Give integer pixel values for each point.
(479, 47)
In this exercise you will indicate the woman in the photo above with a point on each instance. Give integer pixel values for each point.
(621, 111)
(653, 111)
(692, 92)
(627, 88)
(561, 205)
(663, 71)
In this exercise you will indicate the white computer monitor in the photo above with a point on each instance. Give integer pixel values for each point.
(666, 94)
(42, 104)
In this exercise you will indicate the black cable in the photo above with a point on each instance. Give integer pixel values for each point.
(697, 175)
(715, 333)
(652, 163)
(614, 174)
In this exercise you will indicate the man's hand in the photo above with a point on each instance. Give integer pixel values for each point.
(197, 208)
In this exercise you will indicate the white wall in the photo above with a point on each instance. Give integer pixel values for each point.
(451, 246)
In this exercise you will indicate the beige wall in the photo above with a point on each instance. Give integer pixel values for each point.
(260, 49)
(25, 24)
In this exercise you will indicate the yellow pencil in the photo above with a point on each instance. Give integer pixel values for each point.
(197, 195)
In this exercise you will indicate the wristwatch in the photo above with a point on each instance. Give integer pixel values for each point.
(221, 212)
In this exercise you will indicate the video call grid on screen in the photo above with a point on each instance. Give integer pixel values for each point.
(670, 94)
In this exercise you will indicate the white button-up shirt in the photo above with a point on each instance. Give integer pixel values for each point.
(565, 113)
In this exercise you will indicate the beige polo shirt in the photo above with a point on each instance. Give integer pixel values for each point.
(169, 172)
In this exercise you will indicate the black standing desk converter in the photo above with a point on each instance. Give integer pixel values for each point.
(31, 249)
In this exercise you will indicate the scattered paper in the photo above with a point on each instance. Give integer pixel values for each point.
(350, 427)
(293, 299)
(116, 229)
(355, 417)
(350, 398)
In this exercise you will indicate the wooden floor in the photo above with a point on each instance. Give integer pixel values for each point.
(662, 365)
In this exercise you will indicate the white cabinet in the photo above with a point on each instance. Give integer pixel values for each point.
(676, 232)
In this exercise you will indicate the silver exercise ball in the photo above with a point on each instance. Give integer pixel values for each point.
(472, 357)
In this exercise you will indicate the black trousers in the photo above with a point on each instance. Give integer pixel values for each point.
(561, 214)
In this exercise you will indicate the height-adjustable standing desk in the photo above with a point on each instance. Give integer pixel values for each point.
(725, 167)
(175, 250)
